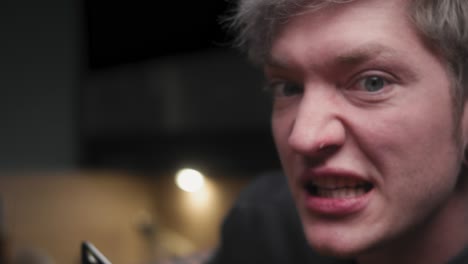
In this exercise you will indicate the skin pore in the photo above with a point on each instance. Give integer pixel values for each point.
(364, 126)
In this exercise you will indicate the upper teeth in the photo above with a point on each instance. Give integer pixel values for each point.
(336, 182)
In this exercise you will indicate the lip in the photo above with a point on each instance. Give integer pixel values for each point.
(332, 206)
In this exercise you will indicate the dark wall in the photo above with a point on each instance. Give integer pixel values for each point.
(165, 89)
(40, 58)
(145, 84)
(206, 107)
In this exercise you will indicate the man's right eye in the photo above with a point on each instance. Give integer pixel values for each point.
(284, 88)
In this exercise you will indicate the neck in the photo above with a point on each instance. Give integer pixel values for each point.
(432, 242)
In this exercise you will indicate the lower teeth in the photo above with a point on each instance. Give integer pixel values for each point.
(339, 193)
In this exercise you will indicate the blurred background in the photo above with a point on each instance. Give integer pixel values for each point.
(102, 104)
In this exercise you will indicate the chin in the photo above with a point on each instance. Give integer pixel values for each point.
(332, 250)
(335, 244)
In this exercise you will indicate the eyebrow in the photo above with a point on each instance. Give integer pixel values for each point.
(273, 62)
(350, 57)
(363, 54)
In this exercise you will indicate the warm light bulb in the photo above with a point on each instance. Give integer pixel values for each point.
(190, 180)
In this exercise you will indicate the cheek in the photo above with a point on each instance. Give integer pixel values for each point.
(412, 150)
(281, 125)
(415, 162)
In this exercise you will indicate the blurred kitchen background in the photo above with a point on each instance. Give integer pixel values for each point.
(102, 103)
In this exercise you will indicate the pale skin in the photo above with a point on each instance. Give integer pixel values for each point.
(357, 95)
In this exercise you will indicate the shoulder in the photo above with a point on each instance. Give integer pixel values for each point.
(264, 227)
(267, 189)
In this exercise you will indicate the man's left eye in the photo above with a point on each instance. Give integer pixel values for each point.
(372, 83)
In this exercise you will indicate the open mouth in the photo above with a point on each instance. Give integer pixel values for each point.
(337, 187)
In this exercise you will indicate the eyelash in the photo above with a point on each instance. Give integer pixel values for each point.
(277, 88)
(361, 82)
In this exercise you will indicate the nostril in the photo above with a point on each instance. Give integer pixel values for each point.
(324, 146)
(327, 149)
(317, 156)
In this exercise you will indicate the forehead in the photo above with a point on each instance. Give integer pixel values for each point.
(346, 32)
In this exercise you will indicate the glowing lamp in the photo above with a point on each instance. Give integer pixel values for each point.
(190, 180)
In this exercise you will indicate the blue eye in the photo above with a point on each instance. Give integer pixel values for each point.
(373, 83)
(285, 89)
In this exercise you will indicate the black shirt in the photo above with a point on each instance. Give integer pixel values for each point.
(264, 227)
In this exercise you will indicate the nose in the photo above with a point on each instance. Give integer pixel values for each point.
(318, 128)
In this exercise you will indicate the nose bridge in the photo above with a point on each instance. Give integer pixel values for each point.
(318, 122)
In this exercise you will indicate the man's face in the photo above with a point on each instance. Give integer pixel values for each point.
(363, 122)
